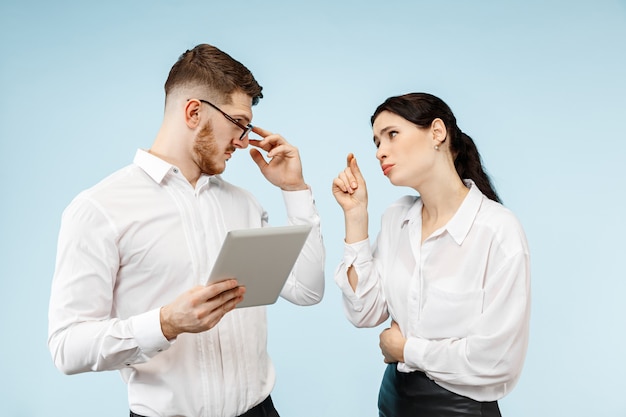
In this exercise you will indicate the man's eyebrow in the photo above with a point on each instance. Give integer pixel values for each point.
(246, 118)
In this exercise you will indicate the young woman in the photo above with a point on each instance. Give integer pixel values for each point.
(450, 267)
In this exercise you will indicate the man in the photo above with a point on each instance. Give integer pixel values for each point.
(135, 251)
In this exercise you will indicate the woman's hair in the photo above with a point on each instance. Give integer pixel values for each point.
(421, 109)
(207, 66)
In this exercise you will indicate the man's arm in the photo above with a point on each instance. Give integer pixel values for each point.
(305, 285)
(83, 334)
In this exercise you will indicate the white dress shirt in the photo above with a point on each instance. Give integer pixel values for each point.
(135, 242)
(461, 298)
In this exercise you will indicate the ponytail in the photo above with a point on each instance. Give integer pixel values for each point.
(421, 109)
(468, 163)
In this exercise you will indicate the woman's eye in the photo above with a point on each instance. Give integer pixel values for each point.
(392, 134)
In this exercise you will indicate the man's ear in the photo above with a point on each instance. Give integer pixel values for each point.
(192, 113)
(440, 133)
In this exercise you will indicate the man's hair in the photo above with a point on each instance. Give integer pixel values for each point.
(206, 66)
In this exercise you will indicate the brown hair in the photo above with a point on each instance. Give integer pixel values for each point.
(421, 109)
(207, 66)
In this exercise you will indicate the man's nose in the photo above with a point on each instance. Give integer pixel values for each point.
(241, 143)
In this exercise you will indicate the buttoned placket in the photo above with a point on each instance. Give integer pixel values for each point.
(421, 252)
(195, 206)
(416, 286)
(211, 229)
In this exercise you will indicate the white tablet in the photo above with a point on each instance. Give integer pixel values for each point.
(261, 259)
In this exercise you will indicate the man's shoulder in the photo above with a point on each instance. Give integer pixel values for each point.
(118, 188)
(123, 177)
(229, 193)
(228, 187)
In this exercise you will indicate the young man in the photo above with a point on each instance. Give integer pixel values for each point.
(135, 251)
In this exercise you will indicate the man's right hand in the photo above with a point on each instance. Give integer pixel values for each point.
(200, 308)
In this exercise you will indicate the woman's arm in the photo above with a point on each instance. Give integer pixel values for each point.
(357, 275)
(350, 191)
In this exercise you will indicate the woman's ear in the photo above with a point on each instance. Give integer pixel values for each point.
(192, 113)
(439, 131)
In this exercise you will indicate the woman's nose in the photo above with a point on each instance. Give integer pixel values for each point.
(381, 154)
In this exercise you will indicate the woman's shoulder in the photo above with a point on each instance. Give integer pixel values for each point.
(502, 222)
(497, 213)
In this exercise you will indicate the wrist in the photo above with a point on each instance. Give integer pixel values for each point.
(299, 187)
(167, 329)
(356, 228)
(356, 218)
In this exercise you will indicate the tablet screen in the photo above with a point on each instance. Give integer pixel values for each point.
(261, 259)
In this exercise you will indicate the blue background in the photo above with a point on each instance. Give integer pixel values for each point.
(539, 85)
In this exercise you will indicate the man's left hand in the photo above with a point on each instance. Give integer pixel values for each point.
(284, 168)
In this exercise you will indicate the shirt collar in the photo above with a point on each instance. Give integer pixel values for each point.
(413, 213)
(157, 168)
(460, 224)
(154, 166)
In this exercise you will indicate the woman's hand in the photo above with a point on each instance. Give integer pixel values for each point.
(349, 187)
(351, 193)
(392, 344)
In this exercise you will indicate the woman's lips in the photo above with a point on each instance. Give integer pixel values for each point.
(386, 168)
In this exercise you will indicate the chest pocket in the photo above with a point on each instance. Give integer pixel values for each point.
(447, 314)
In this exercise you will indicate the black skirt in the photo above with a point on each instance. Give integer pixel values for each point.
(415, 395)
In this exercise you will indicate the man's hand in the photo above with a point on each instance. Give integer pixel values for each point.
(392, 344)
(200, 308)
(284, 168)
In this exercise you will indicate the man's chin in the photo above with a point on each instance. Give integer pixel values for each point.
(214, 170)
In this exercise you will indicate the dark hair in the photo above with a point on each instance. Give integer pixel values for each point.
(207, 66)
(421, 109)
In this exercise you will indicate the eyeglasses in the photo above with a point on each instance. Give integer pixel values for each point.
(246, 129)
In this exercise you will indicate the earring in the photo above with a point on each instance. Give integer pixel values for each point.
(436, 147)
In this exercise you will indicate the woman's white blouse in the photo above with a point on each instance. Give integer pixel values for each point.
(461, 298)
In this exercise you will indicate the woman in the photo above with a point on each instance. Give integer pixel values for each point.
(450, 267)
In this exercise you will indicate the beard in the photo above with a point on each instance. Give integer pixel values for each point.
(208, 156)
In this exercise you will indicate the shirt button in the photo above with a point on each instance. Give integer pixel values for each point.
(175, 170)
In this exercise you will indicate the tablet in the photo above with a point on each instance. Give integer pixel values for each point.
(261, 259)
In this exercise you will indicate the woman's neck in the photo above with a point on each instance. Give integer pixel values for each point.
(440, 203)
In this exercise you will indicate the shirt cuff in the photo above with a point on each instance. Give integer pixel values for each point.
(300, 204)
(148, 333)
(415, 353)
(357, 253)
